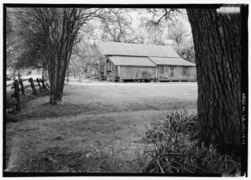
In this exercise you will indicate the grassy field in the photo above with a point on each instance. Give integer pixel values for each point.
(98, 128)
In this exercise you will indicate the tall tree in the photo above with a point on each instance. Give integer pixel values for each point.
(217, 46)
(56, 30)
(13, 42)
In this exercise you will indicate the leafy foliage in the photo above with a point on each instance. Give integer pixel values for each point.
(117, 26)
(173, 148)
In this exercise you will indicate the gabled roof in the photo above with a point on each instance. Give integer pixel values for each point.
(131, 61)
(128, 49)
(171, 61)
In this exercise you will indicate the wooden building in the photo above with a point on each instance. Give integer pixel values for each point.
(174, 69)
(125, 61)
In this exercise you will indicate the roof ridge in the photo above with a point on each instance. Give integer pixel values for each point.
(135, 43)
(130, 49)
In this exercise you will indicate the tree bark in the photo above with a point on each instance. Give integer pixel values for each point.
(55, 94)
(218, 61)
(58, 28)
(68, 75)
(61, 47)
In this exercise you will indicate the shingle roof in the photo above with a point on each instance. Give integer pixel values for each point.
(128, 49)
(131, 61)
(171, 61)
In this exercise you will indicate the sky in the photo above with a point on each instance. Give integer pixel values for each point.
(135, 19)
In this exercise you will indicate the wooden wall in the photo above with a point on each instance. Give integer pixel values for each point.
(178, 73)
(138, 72)
(112, 71)
(134, 72)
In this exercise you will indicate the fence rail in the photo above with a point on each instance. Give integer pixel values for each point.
(20, 89)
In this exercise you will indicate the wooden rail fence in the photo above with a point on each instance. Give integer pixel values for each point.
(19, 87)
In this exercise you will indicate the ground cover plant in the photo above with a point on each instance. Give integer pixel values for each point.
(175, 149)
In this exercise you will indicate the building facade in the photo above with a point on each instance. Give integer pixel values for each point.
(125, 61)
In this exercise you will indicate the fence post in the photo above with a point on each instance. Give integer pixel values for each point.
(16, 94)
(39, 85)
(47, 84)
(44, 86)
(22, 86)
(33, 86)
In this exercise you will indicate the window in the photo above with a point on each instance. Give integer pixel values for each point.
(171, 71)
(161, 70)
(108, 65)
(186, 71)
(167, 69)
(111, 66)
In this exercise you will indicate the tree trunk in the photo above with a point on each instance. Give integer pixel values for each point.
(68, 75)
(218, 61)
(58, 68)
(62, 38)
(52, 78)
(55, 93)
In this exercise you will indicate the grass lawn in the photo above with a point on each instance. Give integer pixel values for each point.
(97, 129)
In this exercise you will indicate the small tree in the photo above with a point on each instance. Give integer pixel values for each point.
(56, 30)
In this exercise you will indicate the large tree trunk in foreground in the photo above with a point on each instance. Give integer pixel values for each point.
(218, 61)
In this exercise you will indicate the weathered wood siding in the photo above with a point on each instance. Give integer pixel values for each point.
(112, 72)
(138, 72)
(178, 73)
(132, 72)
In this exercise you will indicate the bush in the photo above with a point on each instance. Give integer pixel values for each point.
(173, 149)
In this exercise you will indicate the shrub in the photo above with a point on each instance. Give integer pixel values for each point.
(173, 149)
